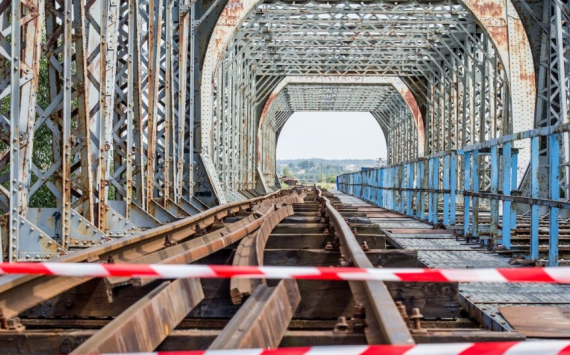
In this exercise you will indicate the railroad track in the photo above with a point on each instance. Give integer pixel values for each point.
(299, 227)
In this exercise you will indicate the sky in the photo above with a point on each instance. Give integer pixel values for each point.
(331, 135)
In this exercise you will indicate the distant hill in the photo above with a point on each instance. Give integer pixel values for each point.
(320, 170)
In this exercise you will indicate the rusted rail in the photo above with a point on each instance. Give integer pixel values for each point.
(262, 321)
(38, 289)
(148, 322)
(197, 248)
(384, 322)
(250, 253)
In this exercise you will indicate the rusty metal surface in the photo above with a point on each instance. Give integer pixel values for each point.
(147, 323)
(198, 248)
(384, 322)
(39, 289)
(262, 321)
(539, 322)
(250, 253)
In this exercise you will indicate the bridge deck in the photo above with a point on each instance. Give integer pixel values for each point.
(438, 248)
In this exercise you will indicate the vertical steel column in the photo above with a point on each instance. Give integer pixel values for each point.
(475, 200)
(446, 186)
(84, 203)
(507, 169)
(109, 21)
(514, 177)
(134, 145)
(466, 188)
(410, 186)
(453, 186)
(424, 186)
(554, 187)
(535, 191)
(66, 125)
(18, 174)
(419, 201)
(494, 190)
(154, 44)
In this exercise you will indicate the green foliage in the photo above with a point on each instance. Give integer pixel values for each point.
(320, 170)
(287, 172)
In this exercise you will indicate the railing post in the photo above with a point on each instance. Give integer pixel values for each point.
(466, 188)
(494, 190)
(424, 185)
(453, 187)
(409, 192)
(418, 187)
(446, 173)
(535, 189)
(475, 200)
(514, 186)
(430, 193)
(435, 187)
(554, 177)
(380, 184)
(507, 169)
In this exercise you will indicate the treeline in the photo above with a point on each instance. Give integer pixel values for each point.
(320, 170)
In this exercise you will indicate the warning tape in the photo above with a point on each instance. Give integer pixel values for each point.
(506, 348)
(545, 275)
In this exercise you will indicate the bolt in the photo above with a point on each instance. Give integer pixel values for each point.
(341, 326)
(342, 261)
(416, 317)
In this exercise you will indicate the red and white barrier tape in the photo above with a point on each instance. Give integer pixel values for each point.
(546, 275)
(507, 348)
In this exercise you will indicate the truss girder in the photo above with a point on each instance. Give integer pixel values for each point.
(100, 99)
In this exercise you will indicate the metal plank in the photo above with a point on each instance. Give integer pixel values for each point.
(250, 253)
(148, 322)
(539, 322)
(263, 319)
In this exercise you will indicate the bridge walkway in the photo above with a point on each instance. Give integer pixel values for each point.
(440, 248)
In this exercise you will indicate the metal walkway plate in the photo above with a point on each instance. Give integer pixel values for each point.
(439, 249)
(403, 225)
(539, 322)
(422, 236)
(461, 260)
(433, 244)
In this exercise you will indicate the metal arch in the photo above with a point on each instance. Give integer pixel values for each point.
(397, 83)
(270, 105)
(234, 22)
(383, 101)
(501, 21)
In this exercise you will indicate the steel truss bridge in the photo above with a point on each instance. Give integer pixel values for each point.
(123, 115)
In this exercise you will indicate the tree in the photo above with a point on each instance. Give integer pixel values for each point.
(287, 172)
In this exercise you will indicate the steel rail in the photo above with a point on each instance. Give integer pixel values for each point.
(198, 248)
(384, 322)
(174, 250)
(145, 325)
(263, 320)
(287, 199)
(37, 289)
(250, 253)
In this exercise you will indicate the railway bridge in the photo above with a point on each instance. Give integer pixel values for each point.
(145, 132)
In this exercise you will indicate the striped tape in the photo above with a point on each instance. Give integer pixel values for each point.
(507, 348)
(546, 275)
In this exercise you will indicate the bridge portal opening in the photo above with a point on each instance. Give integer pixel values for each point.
(315, 147)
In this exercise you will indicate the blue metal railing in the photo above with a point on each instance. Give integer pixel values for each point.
(411, 186)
